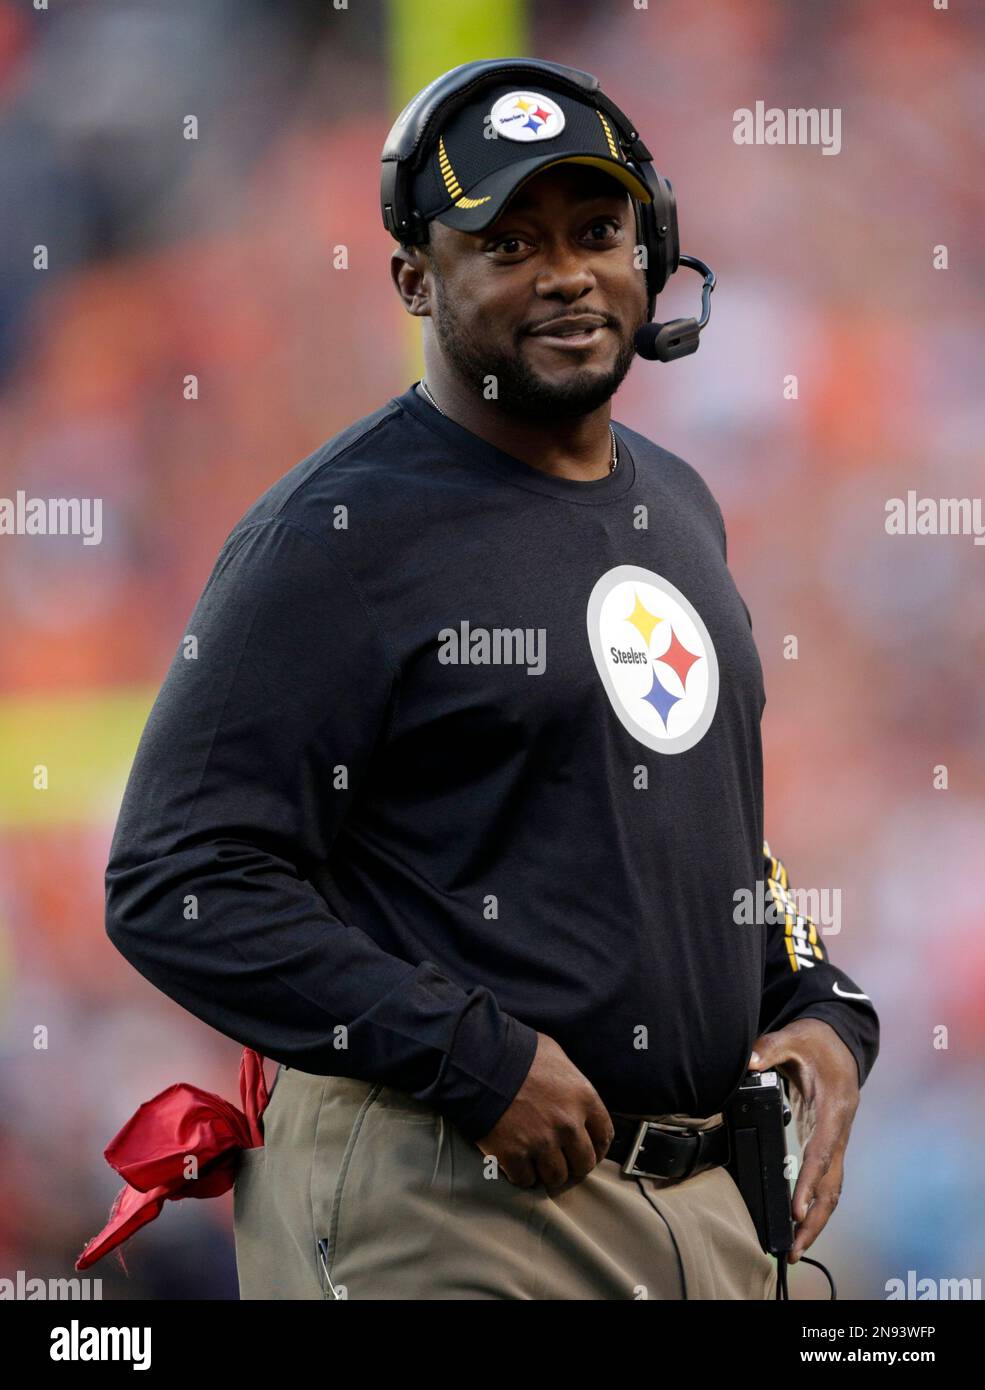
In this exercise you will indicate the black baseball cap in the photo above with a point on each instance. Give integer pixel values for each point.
(478, 159)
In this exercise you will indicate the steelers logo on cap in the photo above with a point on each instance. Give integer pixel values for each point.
(526, 116)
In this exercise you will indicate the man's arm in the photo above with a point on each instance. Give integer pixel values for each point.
(801, 982)
(242, 779)
(820, 1031)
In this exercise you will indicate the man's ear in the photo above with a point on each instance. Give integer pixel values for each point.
(411, 270)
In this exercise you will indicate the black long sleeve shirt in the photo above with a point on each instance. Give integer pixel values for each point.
(452, 751)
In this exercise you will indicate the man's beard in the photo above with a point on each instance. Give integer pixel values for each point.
(522, 391)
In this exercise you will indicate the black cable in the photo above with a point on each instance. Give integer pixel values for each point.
(782, 1287)
(826, 1273)
(639, 1183)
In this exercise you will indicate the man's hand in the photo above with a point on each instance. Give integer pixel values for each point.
(556, 1128)
(825, 1095)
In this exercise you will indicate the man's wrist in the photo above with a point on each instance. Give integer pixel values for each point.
(492, 1090)
(841, 1031)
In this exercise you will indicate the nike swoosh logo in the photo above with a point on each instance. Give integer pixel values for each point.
(846, 994)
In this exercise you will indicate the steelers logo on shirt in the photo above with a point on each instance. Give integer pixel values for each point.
(655, 658)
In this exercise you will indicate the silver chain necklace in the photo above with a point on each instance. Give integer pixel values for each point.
(612, 433)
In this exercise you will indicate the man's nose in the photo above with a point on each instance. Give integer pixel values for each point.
(566, 272)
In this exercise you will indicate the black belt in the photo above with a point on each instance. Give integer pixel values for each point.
(661, 1149)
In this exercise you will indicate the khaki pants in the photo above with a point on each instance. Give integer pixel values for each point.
(362, 1192)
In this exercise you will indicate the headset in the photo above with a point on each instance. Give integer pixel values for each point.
(407, 147)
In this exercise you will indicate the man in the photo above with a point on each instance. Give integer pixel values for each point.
(448, 804)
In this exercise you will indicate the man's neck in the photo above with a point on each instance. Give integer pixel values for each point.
(578, 448)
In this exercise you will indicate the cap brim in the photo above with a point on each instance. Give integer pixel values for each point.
(483, 203)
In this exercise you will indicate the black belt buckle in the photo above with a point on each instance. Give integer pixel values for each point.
(629, 1168)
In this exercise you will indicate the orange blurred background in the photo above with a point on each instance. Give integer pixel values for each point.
(215, 257)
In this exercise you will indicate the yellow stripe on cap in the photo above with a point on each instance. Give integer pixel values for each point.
(613, 147)
(447, 172)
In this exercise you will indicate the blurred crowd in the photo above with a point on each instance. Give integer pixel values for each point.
(216, 257)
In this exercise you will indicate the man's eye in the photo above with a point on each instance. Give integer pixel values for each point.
(610, 223)
(511, 244)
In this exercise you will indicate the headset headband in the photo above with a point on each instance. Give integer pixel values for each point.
(455, 88)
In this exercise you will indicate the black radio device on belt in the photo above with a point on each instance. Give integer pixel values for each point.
(756, 1116)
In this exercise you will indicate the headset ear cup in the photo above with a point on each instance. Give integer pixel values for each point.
(673, 236)
(656, 224)
(645, 238)
(657, 248)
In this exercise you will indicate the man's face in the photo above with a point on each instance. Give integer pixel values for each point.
(563, 247)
